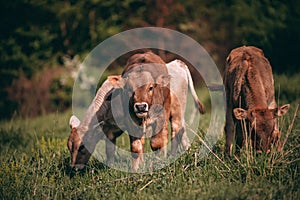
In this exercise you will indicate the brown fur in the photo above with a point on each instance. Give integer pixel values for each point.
(80, 154)
(147, 57)
(157, 67)
(155, 91)
(77, 145)
(107, 120)
(249, 88)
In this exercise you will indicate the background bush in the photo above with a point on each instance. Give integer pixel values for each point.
(37, 36)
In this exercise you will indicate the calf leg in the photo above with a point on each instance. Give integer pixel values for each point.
(159, 141)
(110, 146)
(110, 143)
(137, 149)
(185, 141)
(229, 132)
(239, 137)
(180, 136)
(175, 135)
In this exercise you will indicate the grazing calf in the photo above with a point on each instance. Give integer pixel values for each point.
(249, 88)
(84, 136)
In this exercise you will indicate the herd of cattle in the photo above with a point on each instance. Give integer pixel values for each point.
(150, 94)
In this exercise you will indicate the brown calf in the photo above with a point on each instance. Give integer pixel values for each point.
(249, 88)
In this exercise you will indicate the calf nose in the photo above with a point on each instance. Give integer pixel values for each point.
(141, 107)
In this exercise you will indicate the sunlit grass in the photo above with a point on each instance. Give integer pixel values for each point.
(35, 165)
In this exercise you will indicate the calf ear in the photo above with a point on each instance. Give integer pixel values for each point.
(163, 80)
(228, 59)
(240, 113)
(74, 121)
(117, 81)
(282, 110)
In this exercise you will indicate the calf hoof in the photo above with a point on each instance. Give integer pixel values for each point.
(73, 171)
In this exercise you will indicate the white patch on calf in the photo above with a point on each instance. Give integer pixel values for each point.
(74, 122)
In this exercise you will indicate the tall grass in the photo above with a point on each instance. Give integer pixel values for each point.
(35, 165)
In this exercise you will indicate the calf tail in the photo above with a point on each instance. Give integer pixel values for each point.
(198, 103)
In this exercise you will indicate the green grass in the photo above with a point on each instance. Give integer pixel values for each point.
(34, 165)
(287, 87)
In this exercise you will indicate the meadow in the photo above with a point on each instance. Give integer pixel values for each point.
(35, 165)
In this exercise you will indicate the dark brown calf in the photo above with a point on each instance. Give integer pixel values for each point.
(249, 88)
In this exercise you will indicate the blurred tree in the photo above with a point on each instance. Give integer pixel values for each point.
(223, 25)
(285, 45)
(26, 40)
(36, 34)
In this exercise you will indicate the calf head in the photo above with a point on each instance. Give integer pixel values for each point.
(141, 86)
(262, 125)
(144, 91)
(79, 153)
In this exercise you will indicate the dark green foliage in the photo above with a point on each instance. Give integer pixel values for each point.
(37, 34)
(61, 93)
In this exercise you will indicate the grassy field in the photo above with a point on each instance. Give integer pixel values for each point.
(35, 165)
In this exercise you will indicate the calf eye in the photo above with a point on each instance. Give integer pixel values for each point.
(150, 88)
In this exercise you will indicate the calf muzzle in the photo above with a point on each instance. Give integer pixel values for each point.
(141, 109)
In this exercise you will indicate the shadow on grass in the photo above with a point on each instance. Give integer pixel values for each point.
(94, 166)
